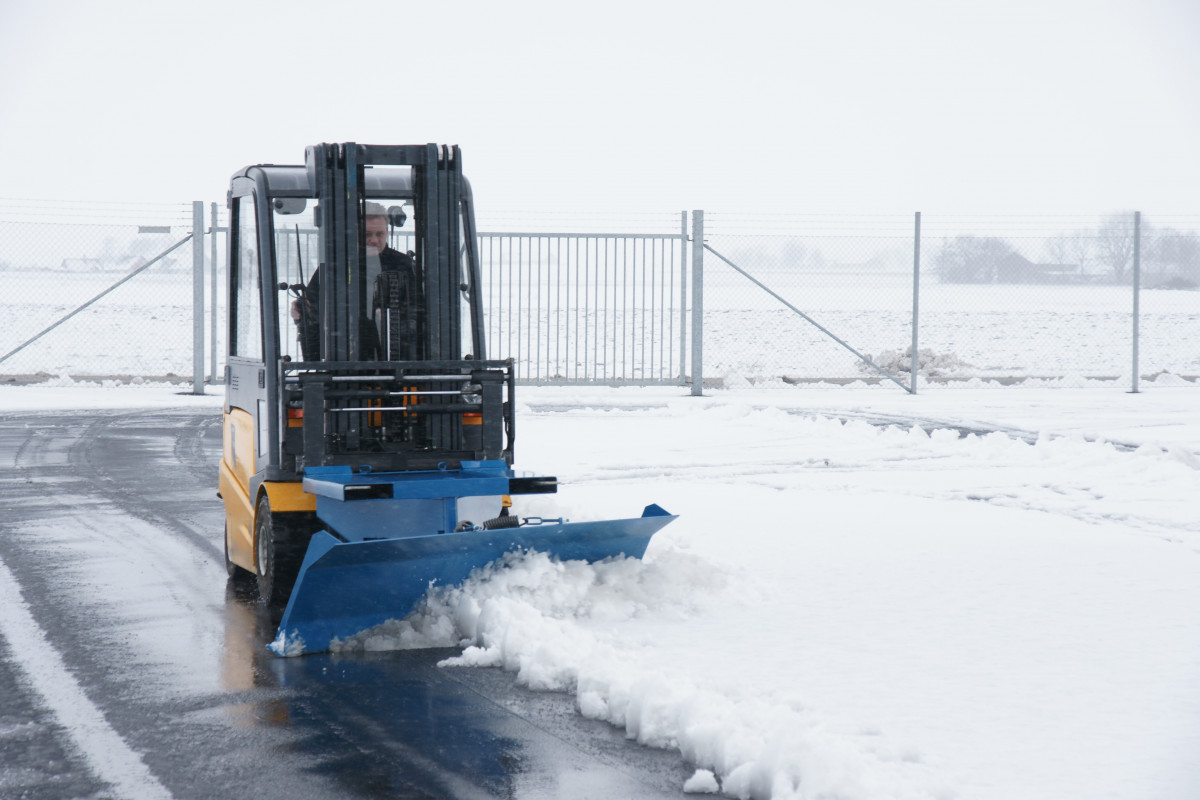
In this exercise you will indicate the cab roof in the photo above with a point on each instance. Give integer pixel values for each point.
(293, 180)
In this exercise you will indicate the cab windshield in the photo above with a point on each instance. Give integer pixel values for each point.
(389, 302)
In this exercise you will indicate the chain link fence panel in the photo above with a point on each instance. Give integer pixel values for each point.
(56, 256)
(851, 277)
(1050, 298)
(996, 299)
(1169, 302)
(1023, 298)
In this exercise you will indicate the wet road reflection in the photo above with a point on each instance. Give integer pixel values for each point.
(396, 725)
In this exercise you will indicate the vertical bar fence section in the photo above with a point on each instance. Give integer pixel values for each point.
(574, 308)
(697, 303)
(914, 350)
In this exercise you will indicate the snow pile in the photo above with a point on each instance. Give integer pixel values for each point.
(898, 363)
(702, 782)
(565, 626)
(287, 645)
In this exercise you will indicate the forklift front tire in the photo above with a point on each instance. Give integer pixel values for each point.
(278, 556)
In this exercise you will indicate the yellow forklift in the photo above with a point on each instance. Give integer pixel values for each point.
(368, 441)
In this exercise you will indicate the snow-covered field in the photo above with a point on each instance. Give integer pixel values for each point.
(853, 610)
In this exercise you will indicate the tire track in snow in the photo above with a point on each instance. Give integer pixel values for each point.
(108, 755)
(82, 453)
(193, 577)
(1076, 496)
(88, 467)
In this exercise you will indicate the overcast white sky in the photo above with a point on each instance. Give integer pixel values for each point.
(1062, 106)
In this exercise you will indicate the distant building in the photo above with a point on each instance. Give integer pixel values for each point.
(1016, 268)
(81, 265)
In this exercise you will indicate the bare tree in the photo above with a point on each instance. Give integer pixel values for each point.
(973, 259)
(1070, 248)
(1172, 258)
(1114, 241)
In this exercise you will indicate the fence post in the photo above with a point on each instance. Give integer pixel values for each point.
(212, 363)
(913, 360)
(1137, 291)
(697, 303)
(197, 297)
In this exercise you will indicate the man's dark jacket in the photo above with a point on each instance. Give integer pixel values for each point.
(398, 289)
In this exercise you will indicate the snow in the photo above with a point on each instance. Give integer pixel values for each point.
(847, 609)
(702, 782)
(65, 393)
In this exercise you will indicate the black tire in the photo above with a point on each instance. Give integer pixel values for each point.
(280, 541)
(238, 576)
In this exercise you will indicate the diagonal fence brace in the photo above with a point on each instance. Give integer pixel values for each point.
(811, 321)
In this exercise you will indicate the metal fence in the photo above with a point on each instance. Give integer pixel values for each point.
(96, 289)
(106, 290)
(120, 292)
(1064, 299)
(568, 307)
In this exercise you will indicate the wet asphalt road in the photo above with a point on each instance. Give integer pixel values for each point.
(130, 669)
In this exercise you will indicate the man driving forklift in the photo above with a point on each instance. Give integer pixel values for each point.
(390, 273)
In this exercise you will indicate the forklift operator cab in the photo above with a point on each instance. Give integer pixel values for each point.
(292, 228)
(384, 367)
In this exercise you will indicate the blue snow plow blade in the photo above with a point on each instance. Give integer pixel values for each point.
(346, 587)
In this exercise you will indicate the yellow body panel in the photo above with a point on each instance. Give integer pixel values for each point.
(237, 468)
(239, 519)
(238, 445)
(289, 496)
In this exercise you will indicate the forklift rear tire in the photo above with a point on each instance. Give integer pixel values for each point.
(279, 550)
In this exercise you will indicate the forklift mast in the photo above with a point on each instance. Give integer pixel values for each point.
(441, 194)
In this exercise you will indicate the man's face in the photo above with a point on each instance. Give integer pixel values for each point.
(377, 230)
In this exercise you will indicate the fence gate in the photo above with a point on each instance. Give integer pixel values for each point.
(574, 308)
